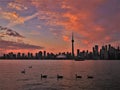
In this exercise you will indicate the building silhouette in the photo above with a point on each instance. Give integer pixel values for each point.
(72, 45)
(106, 52)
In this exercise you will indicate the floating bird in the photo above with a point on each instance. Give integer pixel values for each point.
(23, 71)
(30, 66)
(59, 76)
(43, 76)
(77, 76)
(90, 77)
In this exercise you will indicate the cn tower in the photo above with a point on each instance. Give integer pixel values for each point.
(72, 45)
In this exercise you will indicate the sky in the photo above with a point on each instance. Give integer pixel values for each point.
(33, 25)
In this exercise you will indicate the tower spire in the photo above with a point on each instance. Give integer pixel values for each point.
(72, 45)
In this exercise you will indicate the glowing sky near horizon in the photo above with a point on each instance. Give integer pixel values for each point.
(48, 24)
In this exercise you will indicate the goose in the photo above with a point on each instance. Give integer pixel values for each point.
(23, 71)
(90, 77)
(43, 76)
(77, 76)
(59, 76)
(30, 66)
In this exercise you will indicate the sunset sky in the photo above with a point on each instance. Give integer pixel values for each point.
(33, 25)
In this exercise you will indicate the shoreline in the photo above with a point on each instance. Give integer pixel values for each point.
(59, 60)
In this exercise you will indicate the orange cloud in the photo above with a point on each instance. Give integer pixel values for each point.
(85, 42)
(66, 38)
(107, 38)
(80, 16)
(13, 17)
(17, 6)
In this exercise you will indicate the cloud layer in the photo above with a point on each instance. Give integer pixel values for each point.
(6, 45)
(17, 6)
(9, 32)
(92, 21)
(9, 45)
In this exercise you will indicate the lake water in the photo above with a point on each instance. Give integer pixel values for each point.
(106, 75)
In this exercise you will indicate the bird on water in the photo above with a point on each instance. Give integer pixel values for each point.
(78, 76)
(43, 76)
(89, 77)
(59, 76)
(23, 71)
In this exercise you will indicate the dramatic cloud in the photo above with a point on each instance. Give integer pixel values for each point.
(66, 38)
(92, 21)
(5, 31)
(9, 45)
(17, 6)
(82, 17)
(14, 18)
(30, 17)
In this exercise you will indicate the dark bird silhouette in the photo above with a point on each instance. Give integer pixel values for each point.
(23, 71)
(77, 76)
(30, 66)
(59, 76)
(43, 76)
(90, 77)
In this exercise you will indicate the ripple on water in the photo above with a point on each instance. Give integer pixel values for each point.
(40, 86)
(106, 75)
(34, 84)
(45, 88)
(26, 79)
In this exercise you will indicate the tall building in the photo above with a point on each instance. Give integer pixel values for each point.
(78, 52)
(44, 54)
(72, 45)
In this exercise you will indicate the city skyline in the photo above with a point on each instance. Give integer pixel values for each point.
(107, 52)
(47, 25)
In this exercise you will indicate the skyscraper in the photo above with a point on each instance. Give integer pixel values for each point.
(72, 45)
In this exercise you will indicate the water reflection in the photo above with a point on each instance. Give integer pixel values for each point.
(106, 75)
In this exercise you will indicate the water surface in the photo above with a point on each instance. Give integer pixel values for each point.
(106, 75)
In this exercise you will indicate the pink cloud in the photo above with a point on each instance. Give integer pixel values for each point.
(66, 38)
(79, 16)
